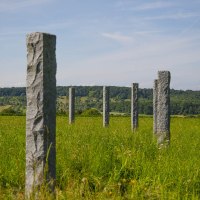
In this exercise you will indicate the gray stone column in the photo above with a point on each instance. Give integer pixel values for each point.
(71, 105)
(155, 104)
(163, 108)
(41, 112)
(106, 106)
(134, 106)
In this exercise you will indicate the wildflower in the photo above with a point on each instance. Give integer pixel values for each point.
(84, 180)
(123, 180)
(133, 182)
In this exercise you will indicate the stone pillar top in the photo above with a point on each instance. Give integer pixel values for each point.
(163, 74)
(36, 36)
(35, 33)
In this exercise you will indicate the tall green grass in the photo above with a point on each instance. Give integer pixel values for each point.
(108, 163)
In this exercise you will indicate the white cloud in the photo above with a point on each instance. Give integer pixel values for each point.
(180, 55)
(118, 37)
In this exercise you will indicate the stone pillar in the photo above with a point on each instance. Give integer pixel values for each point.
(106, 107)
(41, 112)
(163, 108)
(134, 106)
(155, 104)
(71, 105)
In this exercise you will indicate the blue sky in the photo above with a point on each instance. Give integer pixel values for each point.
(105, 42)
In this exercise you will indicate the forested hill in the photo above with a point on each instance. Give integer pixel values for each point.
(182, 102)
(96, 91)
(82, 91)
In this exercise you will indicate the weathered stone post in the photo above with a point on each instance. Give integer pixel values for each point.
(71, 105)
(163, 108)
(41, 112)
(155, 105)
(134, 106)
(106, 106)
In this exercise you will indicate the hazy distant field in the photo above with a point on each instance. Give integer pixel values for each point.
(108, 163)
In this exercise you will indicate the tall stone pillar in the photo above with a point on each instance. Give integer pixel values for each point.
(155, 105)
(71, 105)
(163, 108)
(134, 106)
(41, 112)
(106, 106)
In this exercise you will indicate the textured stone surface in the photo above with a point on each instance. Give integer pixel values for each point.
(41, 111)
(155, 104)
(71, 105)
(163, 108)
(134, 106)
(106, 106)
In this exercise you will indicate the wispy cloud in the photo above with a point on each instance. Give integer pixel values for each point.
(121, 3)
(141, 63)
(136, 6)
(118, 37)
(173, 16)
(154, 5)
(52, 26)
(55, 25)
(18, 4)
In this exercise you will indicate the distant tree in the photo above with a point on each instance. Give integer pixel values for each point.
(91, 112)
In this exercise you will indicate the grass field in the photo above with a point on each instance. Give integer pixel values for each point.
(108, 163)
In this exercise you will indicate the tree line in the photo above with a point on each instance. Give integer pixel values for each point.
(182, 102)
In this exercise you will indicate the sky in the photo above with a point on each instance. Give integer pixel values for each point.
(105, 42)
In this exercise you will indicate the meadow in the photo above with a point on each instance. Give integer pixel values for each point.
(108, 163)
